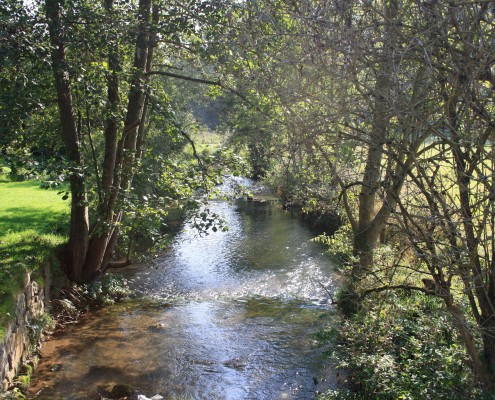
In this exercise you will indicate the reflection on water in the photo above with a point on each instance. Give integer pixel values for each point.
(224, 316)
(266, 252)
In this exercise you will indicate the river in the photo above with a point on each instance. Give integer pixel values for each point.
(230, 315)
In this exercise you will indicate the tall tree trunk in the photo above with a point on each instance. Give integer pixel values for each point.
(75, 254)
(365, 239)
(136, 96)
(124, 153)
(87, 256)
(369, 228)
(106, 223)
(111, 130)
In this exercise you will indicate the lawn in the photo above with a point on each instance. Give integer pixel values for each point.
(23, 205)
(33, 222)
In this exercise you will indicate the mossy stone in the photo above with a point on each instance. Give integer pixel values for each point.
(122, 390)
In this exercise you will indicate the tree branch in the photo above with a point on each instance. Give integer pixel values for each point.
(395, 287)
(199, 80)
(183, 77)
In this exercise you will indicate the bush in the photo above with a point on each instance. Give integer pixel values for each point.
(403, 346)
(108, 290)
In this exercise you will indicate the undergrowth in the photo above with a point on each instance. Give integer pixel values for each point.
(70, 303)
(403, 346)
(395, 344)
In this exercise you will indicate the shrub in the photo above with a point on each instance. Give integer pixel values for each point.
(108, 290)
(403, 346)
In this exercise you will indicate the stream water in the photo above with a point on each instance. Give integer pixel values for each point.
(230, 315)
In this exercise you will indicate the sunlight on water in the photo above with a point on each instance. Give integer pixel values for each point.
(231, 315)
(265, 253)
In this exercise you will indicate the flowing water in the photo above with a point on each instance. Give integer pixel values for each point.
(230, 315)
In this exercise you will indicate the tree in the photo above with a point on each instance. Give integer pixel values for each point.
(27, 125)
(106, 56)
(337, 77)
(391, 102)
(450, 221)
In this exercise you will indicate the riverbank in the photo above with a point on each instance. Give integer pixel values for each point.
(33, 223)
(233, 314)
(265, 305)
(398, 343)
(32, 226)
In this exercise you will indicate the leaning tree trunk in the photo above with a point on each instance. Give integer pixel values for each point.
(89, 251)
(104, 239)
(74, 254)
(481, 280)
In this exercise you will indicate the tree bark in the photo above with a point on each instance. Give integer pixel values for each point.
(75, 254)
(365, 239)
(123, 154)
(111, 130)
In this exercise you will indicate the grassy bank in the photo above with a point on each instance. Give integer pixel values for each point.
(33, 223)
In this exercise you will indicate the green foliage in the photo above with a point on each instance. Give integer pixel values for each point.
(21, 253)
(173, 180)
(15, 394)
(26, 369)
(339, 394)
(24, 379)
(36, 328)
(28, 117)
(403, 346)
(339, 244)
(251, 134)
(24, 72)
(108, 290)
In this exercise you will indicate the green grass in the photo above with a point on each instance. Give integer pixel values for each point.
(207, 141)
(33, 222)
(23, 205)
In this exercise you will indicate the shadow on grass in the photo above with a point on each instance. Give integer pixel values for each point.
(40, 220)
(32, 224)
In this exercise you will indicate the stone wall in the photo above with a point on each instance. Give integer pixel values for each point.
(21, 335)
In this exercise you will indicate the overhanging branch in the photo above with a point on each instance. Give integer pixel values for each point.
(396, 287)
(183, 77)
(199, 80)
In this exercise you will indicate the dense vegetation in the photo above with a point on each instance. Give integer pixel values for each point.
(379, 112)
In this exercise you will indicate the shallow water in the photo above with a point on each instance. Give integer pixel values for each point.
(230, 315)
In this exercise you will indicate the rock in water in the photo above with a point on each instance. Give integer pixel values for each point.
(155, 397)
(120, 391)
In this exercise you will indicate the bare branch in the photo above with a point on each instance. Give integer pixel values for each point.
(398, 287)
